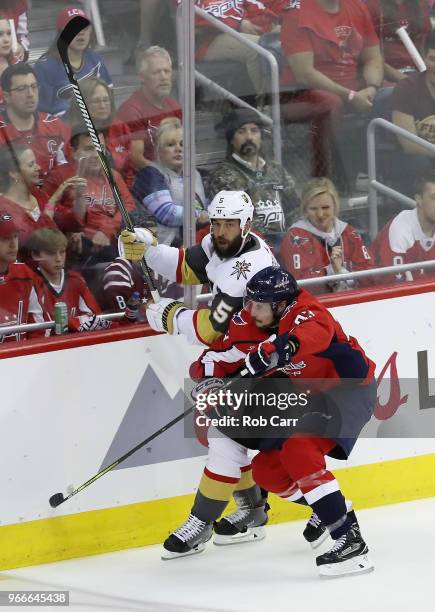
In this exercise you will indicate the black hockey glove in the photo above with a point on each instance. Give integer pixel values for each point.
(257, 361)
(286, 346)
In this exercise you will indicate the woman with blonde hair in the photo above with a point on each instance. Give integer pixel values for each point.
(159, 186)
(100, 101)
(7, 56)
(321, 244)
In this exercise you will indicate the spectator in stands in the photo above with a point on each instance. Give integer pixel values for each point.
(320, 244)
(251, 19)
(48, 249)
(16, 10)
(21, 123)
(388, 16)
(414, 110)
(120, 280)
(159, 186)
(270, 186)
(20, 299)
(20, 193)
(7, 56)
(101, 104)
(55, 88)
(88, 208)
(410, 236)
(144, 110)
(333, 53)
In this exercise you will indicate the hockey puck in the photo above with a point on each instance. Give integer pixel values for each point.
(56, 499)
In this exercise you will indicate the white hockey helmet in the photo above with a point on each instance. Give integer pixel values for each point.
(232, 205)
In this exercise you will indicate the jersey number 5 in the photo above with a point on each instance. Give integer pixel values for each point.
(222, 312)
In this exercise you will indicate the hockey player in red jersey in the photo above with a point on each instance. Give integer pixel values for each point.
(48, 248)
(20, 300)
(309, 344)
(410, 236)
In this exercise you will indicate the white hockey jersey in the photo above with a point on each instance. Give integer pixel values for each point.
(227, 277)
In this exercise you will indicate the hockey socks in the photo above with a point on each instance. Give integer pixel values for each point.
(214, 493)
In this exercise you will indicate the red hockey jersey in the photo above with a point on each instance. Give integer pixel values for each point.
(325, 351)
(47, 139)
(102, 213)
(263, 13)
(305, 252)
(26, 221)
(20, 300)
(73, 290)
(402, 241)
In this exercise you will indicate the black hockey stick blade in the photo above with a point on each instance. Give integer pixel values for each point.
(74, 27)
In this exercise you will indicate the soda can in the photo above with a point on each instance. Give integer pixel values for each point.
(60, 318)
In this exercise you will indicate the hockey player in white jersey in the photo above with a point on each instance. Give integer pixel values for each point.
(227, 258)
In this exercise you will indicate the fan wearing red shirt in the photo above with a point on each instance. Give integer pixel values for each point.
(85, 203)
(100, 101)
(248, 17)
(21, 123)
(388, 16)
(333, 53)
(20, 193)
(320, 244)
(410, 236)
(20, 298)
(48, 248)
(145, 109)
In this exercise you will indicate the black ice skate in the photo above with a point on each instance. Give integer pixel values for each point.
(189, 539)
(349, 555)
(316, 533)
(244, 525)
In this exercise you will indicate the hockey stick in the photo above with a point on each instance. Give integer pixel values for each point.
(58, 498)
(74, 27)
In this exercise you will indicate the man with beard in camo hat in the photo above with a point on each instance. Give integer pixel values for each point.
(270, 186)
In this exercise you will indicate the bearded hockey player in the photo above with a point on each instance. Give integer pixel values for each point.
(308, 345)
(226, 258)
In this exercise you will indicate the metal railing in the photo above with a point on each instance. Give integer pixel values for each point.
(7, 330)
(274, 74)
(93, 10)
(309, 282)
(374, 184)
(201, 78)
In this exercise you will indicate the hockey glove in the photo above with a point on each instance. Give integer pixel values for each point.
(258, 361)
(286, 346)
(133, 245)
(162, 316)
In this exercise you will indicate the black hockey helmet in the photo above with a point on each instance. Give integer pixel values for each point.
(271, 285)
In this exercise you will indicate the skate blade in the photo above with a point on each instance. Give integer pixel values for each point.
(252, 534)
(357, 565)
(167, 555)
(319, 541)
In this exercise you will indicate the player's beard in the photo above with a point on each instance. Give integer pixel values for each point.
(230, 248)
